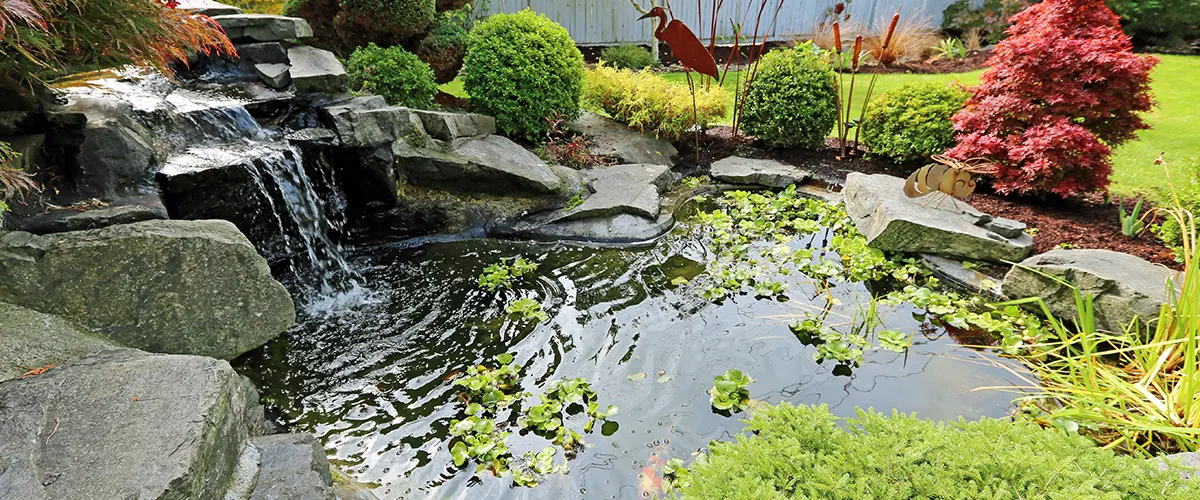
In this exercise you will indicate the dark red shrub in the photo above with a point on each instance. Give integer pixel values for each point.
(1061, 90)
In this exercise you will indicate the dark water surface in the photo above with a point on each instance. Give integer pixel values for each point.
(374, 380)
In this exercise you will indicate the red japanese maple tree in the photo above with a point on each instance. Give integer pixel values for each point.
(1061, 90)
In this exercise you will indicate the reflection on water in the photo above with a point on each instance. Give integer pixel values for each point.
(374, 382)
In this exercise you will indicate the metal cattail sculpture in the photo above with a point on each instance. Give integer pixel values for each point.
(887, 42)
(948, 176)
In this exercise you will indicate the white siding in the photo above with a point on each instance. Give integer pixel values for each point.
(607, 22)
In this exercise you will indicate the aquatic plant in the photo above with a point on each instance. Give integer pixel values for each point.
(730, 391)
(529, 309)
(479, 439)
(806, 452)
(562, 398)
(501, 274)
(492, 387)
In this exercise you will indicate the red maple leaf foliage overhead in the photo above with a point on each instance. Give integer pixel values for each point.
(1061, 90)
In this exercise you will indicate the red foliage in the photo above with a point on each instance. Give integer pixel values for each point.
(1061, 90)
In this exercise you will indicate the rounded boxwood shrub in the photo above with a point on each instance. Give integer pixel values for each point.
(628, 57)
(443, 49)
(521, 68)
(394, 73)
(913, 121)
(792, 101)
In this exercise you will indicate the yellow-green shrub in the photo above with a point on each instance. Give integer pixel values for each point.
(648, 102)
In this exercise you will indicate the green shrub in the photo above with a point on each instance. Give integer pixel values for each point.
(1159, 22)
(394, 73)
(648, 102)
(802, 452)
(443, 48)
(628, 57)
(1188, 187)
(344, 25)
(792, 100)
(991, 18)
(521, 68)
(913, 121)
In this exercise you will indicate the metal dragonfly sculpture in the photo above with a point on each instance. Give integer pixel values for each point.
(949, 177)
(691, 53)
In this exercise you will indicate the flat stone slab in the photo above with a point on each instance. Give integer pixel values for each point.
(276, 76)
(120, 211)
(123, 424)
(768, 173)
(612, 138)
(1122, 286)
(30, 339)
(956, 273)
(488, 164)
(263, 27)
(316, 70)
(618, 229)
(622, 189)
(450, 126)
(293, 468)
(368, 121)
(208, 8)
(894, 222)
(262, 52)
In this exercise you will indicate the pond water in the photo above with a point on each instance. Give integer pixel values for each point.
(374, 379)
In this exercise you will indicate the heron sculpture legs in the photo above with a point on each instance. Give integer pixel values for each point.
(695, 117)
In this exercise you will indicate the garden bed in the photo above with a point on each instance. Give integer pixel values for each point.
(1085, 222)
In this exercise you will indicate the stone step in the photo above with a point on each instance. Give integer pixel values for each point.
(766, 173)
(208, 8)
(263, 27)
(293, 467)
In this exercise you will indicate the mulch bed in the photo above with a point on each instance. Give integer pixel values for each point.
(450, 102)
(1081, 222)
(975, 60)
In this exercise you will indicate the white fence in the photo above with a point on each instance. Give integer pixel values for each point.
(608, 22)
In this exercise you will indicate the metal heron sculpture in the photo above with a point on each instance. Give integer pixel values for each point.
(690, 51)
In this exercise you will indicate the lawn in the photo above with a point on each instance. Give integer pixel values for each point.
(1173, 123)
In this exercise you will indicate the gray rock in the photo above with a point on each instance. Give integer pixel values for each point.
(450, 126)
(490, 164)
(316, 70)
(123, 424)
(276, 76)
(293, 468)
(262, 53)
(612, 138)
(120, 211)
(208, 7)
(957, 274)
(617, 229)
(15, 122)
(30, 339)
(769, 173)
(30, 149)
(185, 287)
(263, 27)
(363, 123)
(371, 181)
(895, 223)
(1007, 228)
(1122, 286)
(314, 135)
(622, 189)
(1188, 464)
(117, 150)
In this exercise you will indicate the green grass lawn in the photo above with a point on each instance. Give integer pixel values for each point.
(1173, 123)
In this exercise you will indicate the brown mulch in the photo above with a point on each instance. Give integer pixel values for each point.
(450, 102)
(975, 60)
(1081, 222)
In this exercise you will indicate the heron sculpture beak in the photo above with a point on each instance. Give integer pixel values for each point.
(647, 16)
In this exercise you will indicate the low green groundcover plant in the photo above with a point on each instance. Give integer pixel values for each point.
(806, 452)
(913, 121)
(394, 73)
(521, 68)
(793, 100)
(628, 57)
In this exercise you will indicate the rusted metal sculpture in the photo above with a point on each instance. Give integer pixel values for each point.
(684, 44)
(948, 176)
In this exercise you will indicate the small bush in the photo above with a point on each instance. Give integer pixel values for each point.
(394, 73)
(792, 100)
(1062, 90)
(443, 48)
(802, 452)
(1159, 22)
(991, 18)
(628, 57)
(913, 121)
(1188, 186)
(648, 102)
(521, 68)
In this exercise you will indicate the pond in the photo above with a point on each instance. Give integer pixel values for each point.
(375, 380)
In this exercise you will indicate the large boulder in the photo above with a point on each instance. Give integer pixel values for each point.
(367, 122)
(123, 424)
(117, 151)
(30, 340)
(1122, 286)
(488, 164)
(768, 173)
(183, 287)
(622, 189)
(293, 468)
(894, 222)
(450, 126)
(126, 210)
(263, 27)
(316, 70)
(612, 138)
